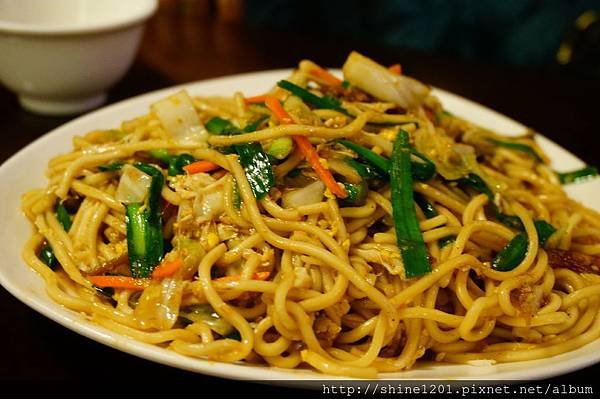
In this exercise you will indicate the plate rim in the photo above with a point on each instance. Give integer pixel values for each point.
(78, 324)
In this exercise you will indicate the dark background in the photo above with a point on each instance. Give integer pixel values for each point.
(502, 54)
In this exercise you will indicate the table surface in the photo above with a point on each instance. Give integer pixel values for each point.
(177, 49)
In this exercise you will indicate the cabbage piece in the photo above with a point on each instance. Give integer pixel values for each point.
(208, 205)
(452, 160)
(180, 119)
(133, 185)
(158, 306)
(385, 85)
(204, 313)
(308, 195)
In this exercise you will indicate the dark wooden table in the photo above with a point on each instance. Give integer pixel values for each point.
(178, 49)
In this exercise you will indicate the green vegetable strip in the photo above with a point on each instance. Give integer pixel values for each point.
(382, 164)
(544, 229)
(63, 216)
(512, 254)
(365, 171)
(253, 159)
(47, 256)
(577, 176)
(253, 126)
(178, 162)
(357, 193)
(221, 126)
(476, 182)
(258, 168)
(145, 243)
(518, 147)
(408, 235)
(515, 251)
(280, 147)
(161, 154)
(175, 162)
(111, 166)
(325, 102)
(431, 212)
(426, 207)
(420, 170)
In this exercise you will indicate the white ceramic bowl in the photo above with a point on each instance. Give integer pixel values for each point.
(61, 56)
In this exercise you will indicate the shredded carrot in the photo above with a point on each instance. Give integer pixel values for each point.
(312, 157)
(124, 282)
(256, 276)
(167, 268)
(255, 99)
(200, 166)
(275, 106)
(396, 68)
(218, 174)
(325, 76)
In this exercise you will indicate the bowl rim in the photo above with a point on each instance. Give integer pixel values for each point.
(146, 9)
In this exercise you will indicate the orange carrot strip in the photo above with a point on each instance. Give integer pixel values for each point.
(307, 149)
(256, 276)
(200, 166)
(312, 157)
(126, 283)
(396, 68)
(255, 99)
(325, 76)
(167, 268)
(275, 106)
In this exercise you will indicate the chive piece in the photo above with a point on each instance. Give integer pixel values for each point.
(162, 155)
(446, 241)
(235, 334)
(254, 160)
(258, 168)
(365, 171)
(476, 182)
(111, 166)
(324, 102)
(253, 126)
(107, 292)
(421, 171)
(512, 254)
(177, 163)
(382, 164)
(280, 147)
(357, 193)
(544, 231)
(63, 216)
(145, 243)
(294, 172)
(431, 212)
(221, 126)
(408, 235)
(345, 84)
(426, 207)
(578, 175)
(518, 147)
(47, 256)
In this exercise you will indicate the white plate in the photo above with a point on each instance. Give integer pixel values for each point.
(25, 170)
